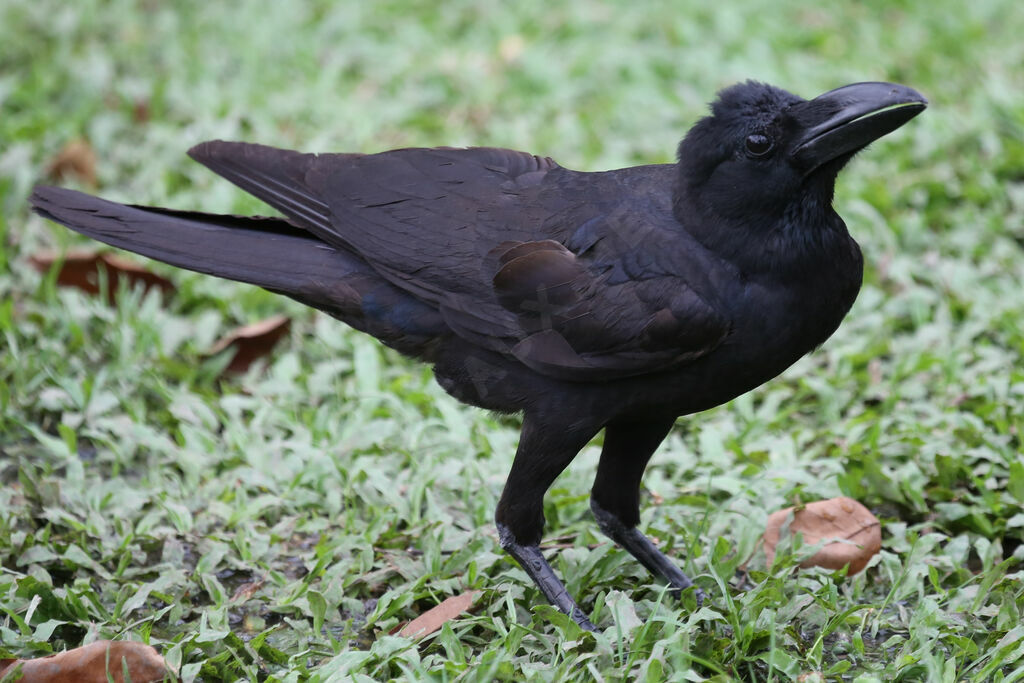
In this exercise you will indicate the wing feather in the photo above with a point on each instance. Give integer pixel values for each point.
(509, 247)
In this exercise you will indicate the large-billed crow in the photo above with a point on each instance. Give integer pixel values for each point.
(617, 300)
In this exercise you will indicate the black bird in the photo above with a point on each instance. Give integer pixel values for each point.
(618, 300)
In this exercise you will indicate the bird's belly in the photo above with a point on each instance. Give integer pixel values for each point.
(771, 333)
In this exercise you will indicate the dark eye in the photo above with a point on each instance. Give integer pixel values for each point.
(758, 145)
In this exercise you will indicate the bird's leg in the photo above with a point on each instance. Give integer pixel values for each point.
(544, 451)
(615, 498)
(640, 547)
(533, 563)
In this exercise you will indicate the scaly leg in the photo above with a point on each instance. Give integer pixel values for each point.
(615, 498)
(544, 452)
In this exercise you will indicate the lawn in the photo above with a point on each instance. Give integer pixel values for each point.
(282, 524)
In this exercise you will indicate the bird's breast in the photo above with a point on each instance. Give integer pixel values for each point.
(778, 324)
(773, 326)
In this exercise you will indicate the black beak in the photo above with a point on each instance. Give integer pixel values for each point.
(847, 119)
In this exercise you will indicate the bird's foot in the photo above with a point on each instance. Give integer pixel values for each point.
(640, 547)
(532, 561)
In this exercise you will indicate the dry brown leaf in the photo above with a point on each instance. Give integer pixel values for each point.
(140, 111)
(76, 161)
(247, 590)
(91, 663)
(252, 342)
(435, 617)
(81, 268)
(823, 520)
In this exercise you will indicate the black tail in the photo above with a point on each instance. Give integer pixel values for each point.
(268, 252)
(280, 177)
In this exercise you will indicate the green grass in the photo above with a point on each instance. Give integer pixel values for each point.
(280, 525)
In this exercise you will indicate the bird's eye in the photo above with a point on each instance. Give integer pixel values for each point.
(758, 145)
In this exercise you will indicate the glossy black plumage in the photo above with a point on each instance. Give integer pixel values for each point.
(616, 300)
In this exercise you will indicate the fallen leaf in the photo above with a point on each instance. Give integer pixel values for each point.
(141, 111)
(81, 268)
(75, 161)
(252, 342)
(92, 664)
(247, 590)
(435, 617)
(859, 533)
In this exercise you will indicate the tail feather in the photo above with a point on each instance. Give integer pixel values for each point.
(277, 176)
(268, 252)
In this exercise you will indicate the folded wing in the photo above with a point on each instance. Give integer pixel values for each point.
(502, 244)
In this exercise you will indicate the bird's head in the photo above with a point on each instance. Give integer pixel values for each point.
(763, 150)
